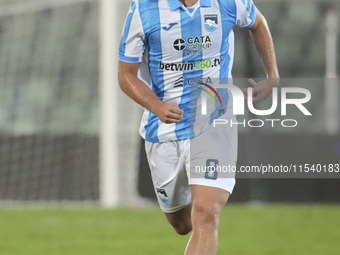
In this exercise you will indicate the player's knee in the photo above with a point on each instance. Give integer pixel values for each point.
(181, 220)
(182, 228)
(207, 214)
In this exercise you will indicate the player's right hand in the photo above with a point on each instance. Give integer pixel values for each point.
(169, 113)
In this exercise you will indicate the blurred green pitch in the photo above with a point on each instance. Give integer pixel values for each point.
(244, 229)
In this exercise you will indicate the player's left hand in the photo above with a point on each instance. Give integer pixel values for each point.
(262, 89)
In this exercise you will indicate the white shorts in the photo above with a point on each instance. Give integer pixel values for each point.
(202, 160)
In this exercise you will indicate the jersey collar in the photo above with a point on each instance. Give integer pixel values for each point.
(175, 4)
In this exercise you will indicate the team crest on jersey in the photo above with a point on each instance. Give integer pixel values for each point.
(162, 195)
(211, 22)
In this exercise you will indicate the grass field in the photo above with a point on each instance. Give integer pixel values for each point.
(244, 229)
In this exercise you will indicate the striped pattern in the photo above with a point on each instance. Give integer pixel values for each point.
(178, 49)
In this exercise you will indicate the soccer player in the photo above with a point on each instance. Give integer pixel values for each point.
(169, 50)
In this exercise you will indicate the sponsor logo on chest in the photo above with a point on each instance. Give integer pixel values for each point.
(193, 43)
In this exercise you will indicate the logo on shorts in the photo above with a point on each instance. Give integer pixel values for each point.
(210, 22)
(162, 195)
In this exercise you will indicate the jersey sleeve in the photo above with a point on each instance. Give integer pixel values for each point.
(245, 13)
(132, 44)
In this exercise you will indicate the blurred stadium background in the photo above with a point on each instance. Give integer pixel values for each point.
(57, 132)
(68, 135)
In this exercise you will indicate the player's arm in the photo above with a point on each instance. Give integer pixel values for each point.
(263, 42)
(143, 95)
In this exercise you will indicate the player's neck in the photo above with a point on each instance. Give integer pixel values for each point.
(188, 3)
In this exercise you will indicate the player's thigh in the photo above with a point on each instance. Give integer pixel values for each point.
(213, 156)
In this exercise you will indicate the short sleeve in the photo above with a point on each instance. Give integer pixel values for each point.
(245, 13)
(131, 45)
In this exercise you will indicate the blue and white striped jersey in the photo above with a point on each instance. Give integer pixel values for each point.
(178, 49)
